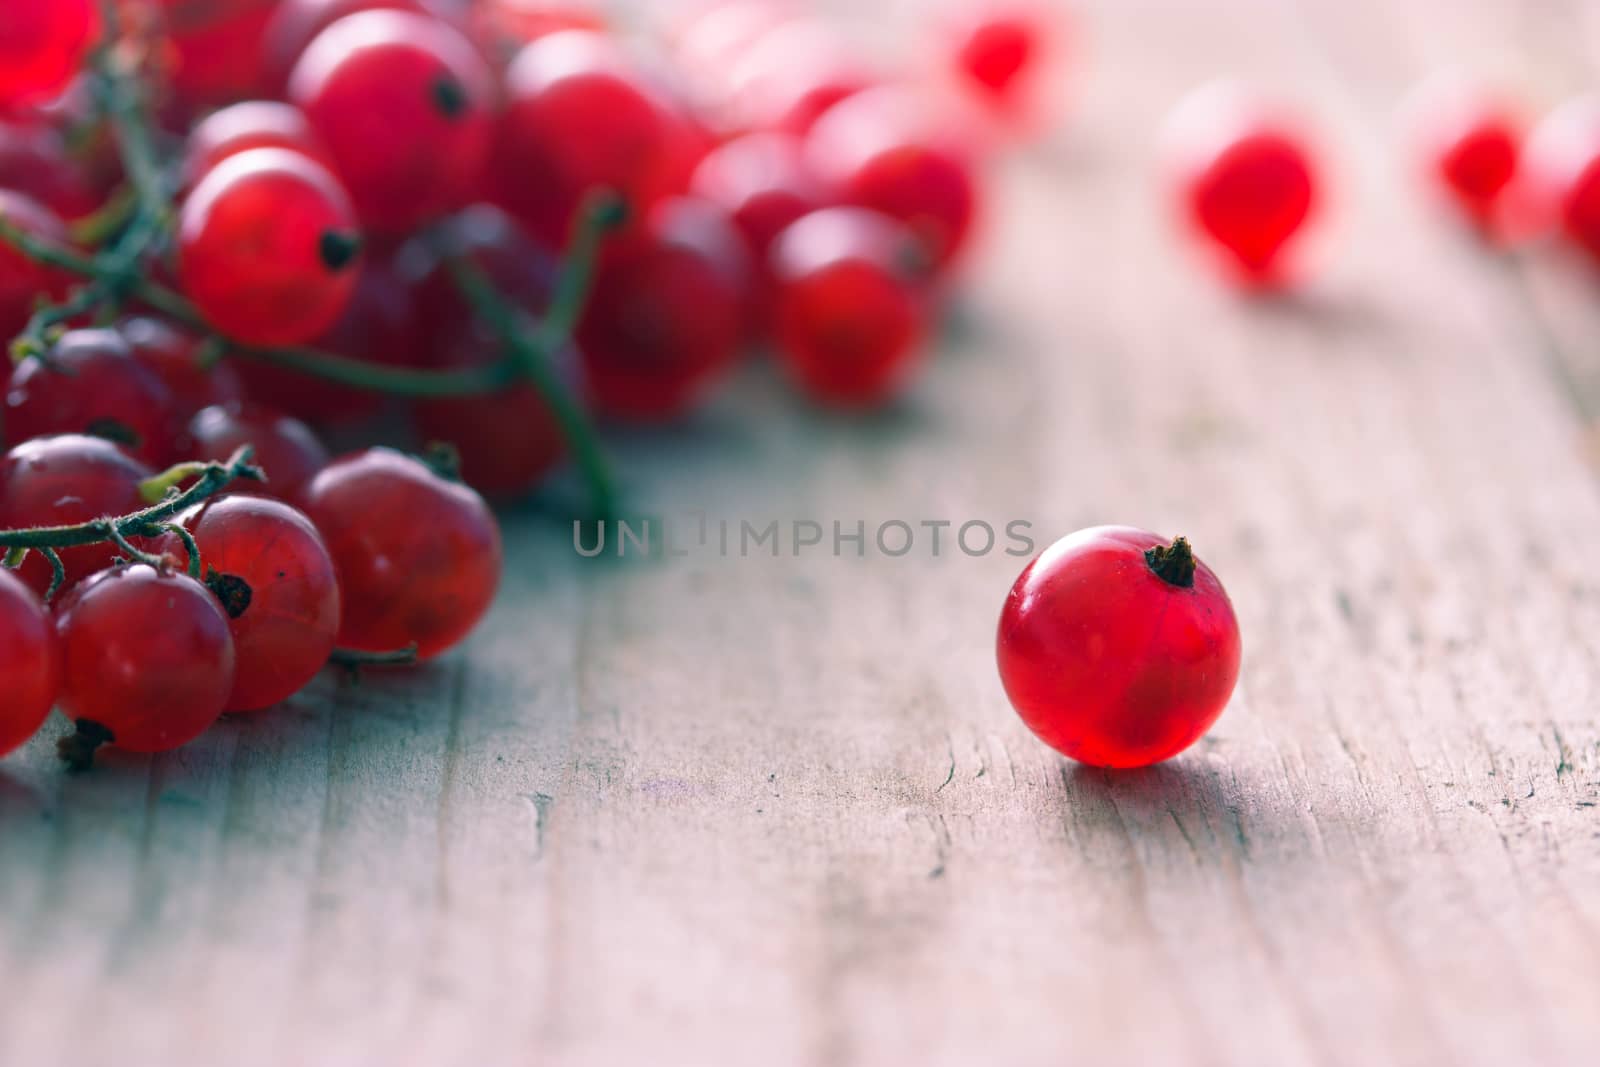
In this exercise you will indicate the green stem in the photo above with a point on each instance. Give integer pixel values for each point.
(148, 522)
(41, 331)
(532, 350)
(354, 658)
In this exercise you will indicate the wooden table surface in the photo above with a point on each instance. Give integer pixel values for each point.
(724, 811)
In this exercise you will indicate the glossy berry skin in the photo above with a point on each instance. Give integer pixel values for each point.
(667, 312)
(286, 449)
(91, 383)
(296, 23)
(418, 557)
(247, 125)
(1245, 180)
(30, 662)
(1111, 663)
(405, 106)
(578, 116)
(58, 481)
(268, 248)
(284, 632)
(22, 281)
(42, 45)
(884, 150)
(146, 654)
(850, 313)
(173, 355)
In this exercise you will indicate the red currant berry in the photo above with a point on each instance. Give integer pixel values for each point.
(286, 450)
(850, 310)
(59, 481)
(1245, 179)
(173, 355)
(147, 658)
(214, 50)
(405, 105)
(1469, 142)
(30, 662)
(764, 184)
(1563, 170)
(1118, 649)
(34, 161)
(882, 150)
(42, 45)
(378, 326)
(22, 281)
(90, 383)
(252, 124)
(509, 440)
(994, 51)
(296, 23)
(418, 557)
(578, 116)
(667, 312)
(267, 247)
(272, 573)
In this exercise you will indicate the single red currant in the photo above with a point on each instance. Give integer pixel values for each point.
(252, 124)
(418, 557)
(887, 150)
(267, 247)
(22, 281)
(42, 45)
(59, 481)
(286, 449)
(378, 326)
(296, 23)
(1468, 141)
(214, 50)
(509, 440)
(272, 573)
(851, 309)
(578, 116)
(147, 657)
(174, 355)
(667, 312)
(1117, 649)
(30, 662)
(764, 184)
(34, 161)
(89, 382)
(994, 50)
(405, 105)
(1245, 179)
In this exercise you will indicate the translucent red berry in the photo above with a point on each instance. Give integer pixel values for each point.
(1563, 173)
(247, 125)
(175, 356)
(23, 281)
(213, 53)
(850, 306)
(42, 45)
(418, 557)
(888, 150)
(667, 311)
(296, 23)
(994, 50)
(271, 571)
(90, 383)
(405, 106)
(1469, 141)
(268, 248)
(30, 662)
(1245, 180)
(578, 116)
(147, 658)
(286, 449)
(59, 481)
(1117, 648)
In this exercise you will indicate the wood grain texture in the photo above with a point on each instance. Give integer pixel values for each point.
(740, 811)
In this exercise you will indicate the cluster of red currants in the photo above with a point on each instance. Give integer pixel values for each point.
(1249, 181)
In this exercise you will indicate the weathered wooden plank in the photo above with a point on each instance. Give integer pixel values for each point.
(714, 811)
